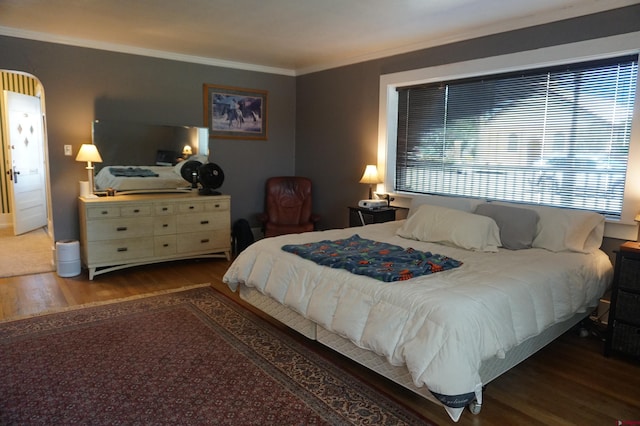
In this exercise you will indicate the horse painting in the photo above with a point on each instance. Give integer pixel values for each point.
(235, 115)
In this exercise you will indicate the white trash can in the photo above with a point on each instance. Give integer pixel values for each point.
(68, 258)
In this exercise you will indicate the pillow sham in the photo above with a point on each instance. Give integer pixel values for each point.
(462, 229)
(518, 227)
(451, 202)
(569, 230)
(562, 229)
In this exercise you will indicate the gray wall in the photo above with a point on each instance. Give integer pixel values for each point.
(322, 125)
(337, 113)
(85, 84)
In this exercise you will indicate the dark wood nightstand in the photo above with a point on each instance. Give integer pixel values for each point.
(623, 333)
(359, 216)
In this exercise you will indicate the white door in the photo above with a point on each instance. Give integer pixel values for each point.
(24, 127)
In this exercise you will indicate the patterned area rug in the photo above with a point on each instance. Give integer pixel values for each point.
(188, 357)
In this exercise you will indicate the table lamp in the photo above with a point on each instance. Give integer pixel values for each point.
(370, 177)
(89, 153)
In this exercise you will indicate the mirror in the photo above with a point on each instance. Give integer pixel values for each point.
(145, 146)
(137, 144)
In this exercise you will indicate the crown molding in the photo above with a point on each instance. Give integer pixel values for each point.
(119, 48)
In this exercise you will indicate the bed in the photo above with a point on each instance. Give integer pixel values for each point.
(525, 276)
(145, 178)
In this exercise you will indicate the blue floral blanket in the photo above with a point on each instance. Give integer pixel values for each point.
(382, 261)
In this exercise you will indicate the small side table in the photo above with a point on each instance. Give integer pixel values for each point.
(359, 216)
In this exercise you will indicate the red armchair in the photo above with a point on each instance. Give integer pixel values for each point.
(288, 206)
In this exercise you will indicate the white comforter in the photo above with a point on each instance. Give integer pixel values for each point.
(167, 179)
(441, 326)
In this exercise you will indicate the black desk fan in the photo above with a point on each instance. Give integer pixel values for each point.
(189, 172)
(211, 177)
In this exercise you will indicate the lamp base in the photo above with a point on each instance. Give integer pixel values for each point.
(92, 187)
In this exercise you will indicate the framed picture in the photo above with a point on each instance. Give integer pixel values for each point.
(235, 113)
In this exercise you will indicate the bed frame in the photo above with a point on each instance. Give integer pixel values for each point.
(489, 370)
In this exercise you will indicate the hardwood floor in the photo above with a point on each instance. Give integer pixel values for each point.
(568, 382)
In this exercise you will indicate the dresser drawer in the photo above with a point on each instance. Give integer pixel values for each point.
(629, 274)
(628, 307)
(115, 229)
(626, 339)
(140, 210)
(203, 242)
(192, 206)
(163, 225)
(103, 211)
(164, 208)
(202, 221)
(217, 205)
(119, 250)
(165, 245)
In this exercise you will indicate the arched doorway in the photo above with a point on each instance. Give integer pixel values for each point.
(32, 251)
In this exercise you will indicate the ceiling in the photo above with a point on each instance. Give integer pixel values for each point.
(282, 36)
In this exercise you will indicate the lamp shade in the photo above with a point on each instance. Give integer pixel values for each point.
(88, 152)
(370, 175)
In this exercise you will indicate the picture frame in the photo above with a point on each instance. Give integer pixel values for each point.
(235, 112)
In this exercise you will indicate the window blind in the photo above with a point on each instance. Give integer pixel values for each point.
(555, 136)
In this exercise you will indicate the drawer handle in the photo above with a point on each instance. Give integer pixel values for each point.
(206, 240)
(204, 222)
(165, 245)
(121, 228)
(136, 211)
(121, 249)
(164, 209)
(165, 225)
(192, 207)
(104, 212)
(216, 205)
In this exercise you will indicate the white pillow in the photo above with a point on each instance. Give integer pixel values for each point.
(452, 227)
(567, 229)
(451, 202)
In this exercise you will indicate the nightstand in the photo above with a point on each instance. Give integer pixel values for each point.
(359, 216)
(623, 333)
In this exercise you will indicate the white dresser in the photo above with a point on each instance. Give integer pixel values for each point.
(131, 230)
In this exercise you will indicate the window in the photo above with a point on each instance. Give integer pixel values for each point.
(556, 136)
